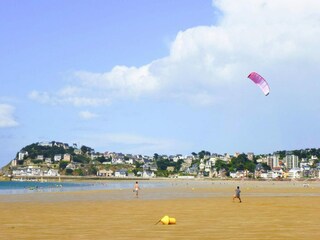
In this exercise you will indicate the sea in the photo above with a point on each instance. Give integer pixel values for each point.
(25, 187)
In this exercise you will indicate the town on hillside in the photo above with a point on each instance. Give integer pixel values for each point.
(54, 159)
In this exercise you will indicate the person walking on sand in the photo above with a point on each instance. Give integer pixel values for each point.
(136, 189)
(237, 194)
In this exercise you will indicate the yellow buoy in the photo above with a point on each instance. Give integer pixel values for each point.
(165, 220)
(172, 221)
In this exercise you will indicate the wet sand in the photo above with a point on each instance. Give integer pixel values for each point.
(203, 210)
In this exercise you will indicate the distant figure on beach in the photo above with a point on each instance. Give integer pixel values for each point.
(237, 194)
(136, 189)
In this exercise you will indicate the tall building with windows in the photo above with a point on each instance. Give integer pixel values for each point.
(291, 161)
(269, 161)
(275, 160)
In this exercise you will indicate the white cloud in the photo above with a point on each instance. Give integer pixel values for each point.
(70, 97)
(122, 81)
(6, 116)
(205, 61)
(87, 115)
(42, 97)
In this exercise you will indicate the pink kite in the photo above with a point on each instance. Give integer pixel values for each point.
(260, 81)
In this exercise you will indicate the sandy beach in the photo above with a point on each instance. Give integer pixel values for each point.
(203, 210)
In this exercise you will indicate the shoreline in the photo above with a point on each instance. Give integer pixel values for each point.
(96, 178)
(156, 190)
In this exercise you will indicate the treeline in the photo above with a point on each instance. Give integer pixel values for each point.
(302, 153)
(47, 151)
(35, 150)
(240, 163)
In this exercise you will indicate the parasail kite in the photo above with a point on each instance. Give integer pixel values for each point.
(260, 81)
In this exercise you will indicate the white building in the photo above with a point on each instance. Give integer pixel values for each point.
(104, 173)
(48, 160)
(121, 173)
(22, 154)
(14, 163)
(148, 174)
(57, 157)
(275, 160)
(269, 161)
(275, 174)
(294, 173)
(291, 161)
(52, 172)
(45, 144)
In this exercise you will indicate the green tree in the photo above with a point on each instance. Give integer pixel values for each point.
(138, 164)
(155, 156)
(238, 163)
(78, 172)
(163, 163)
(202, 154)
(250, 166)
(86, 150)
(177, 166)
(81, 159)
(162, 173)
(220, 164)
(265, 166)
(35, 161)
(63, 165)
(315, 163)
(92, 170)
(69, 171)
(101, 159)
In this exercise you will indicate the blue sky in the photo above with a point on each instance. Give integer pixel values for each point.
(166, 77)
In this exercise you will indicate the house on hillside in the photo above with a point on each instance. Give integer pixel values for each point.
(22, 154)
(57, 157)
(67, 157)
(121, 173)
(170, 168)
(47, 160)
(117, 160)
(104, 173)
(34, 171)
(19, 172)
(148, 174)
(71, 166)
(237, 174)
(77, 151)
(192, 170)
(45, 144)
(51, 173)
(60, 144)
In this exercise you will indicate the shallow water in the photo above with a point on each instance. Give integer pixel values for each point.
(159, 190)
(25, 187)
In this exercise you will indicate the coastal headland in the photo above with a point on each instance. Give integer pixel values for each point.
(203, 210)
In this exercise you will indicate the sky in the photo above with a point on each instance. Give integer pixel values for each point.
(166, 77)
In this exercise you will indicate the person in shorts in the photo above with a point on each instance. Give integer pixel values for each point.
(136, 189)
(237, 194)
